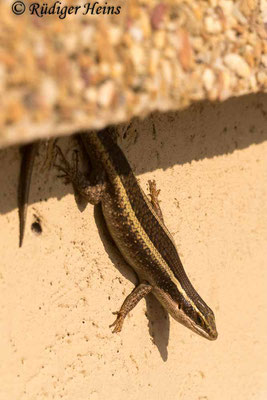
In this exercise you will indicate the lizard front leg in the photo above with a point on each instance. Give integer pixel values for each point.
(92, 188)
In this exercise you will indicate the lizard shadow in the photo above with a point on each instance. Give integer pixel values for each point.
(159, 323)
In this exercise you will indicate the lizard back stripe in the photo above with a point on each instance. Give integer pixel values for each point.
(149, 220)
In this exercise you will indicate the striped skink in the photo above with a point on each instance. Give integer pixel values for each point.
(136, 225)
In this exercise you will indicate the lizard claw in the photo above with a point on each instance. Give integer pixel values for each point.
(117, 323)
(68, 172)
(63, 158)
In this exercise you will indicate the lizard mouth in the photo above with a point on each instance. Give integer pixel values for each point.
(209, 332)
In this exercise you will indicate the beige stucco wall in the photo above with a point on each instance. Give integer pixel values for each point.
(59, 290)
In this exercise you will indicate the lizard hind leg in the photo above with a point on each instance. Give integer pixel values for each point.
(129, 303)
(154, 198)
(92, 188)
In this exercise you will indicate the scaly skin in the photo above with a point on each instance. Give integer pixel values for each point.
(137, 228)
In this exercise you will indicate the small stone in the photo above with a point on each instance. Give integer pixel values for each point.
(90, 95)
(197, 43)
(104, 69)
(157, 15)
(71, 43)
(185, 52)
(249, 56)
(49, 91)
(106, 93)
(145, 25)
(230, 34)
(117, 70)
(237, 64)
(208, 79)
(154, 61)
(167, 71)
(87, 36)
(239, 16)
(248, 6)
(136, 33)
(212, 24)
(77, 85)
(253, 82)
(227, 7)
(39, 48)
(115, 35)
(159, 39)
(224, 85)
(138, 57)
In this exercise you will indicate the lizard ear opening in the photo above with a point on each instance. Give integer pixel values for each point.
(199, 320)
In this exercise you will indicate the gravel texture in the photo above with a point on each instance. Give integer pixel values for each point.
(58, 75)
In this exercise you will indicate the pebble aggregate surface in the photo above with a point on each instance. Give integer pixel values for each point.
(58, 75)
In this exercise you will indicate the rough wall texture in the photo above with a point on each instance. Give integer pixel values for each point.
(59, 290)
(85, 71)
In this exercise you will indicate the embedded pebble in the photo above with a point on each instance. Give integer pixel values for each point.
(157, 15)
(159, 39)
(237, 64)
(208, 79)
(136, 33)
(97, 69)
(90, 95)
(212, 25)
(106, 93)
(49, 91)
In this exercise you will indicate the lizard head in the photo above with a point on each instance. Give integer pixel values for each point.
(194, 314)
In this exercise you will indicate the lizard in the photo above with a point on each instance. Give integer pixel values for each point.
(136, 225)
